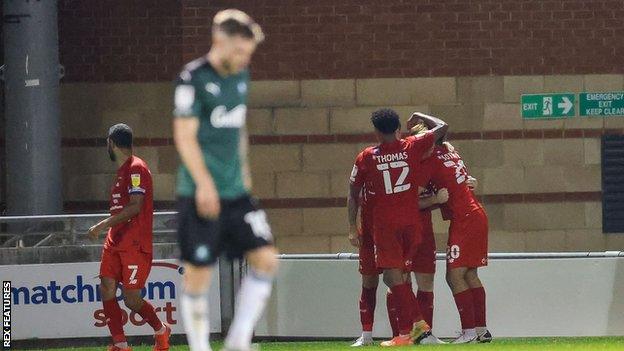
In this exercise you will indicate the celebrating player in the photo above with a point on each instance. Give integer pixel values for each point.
(385, 170)
(468, 236)
(370, 272)
(216, 212)
(127, 254)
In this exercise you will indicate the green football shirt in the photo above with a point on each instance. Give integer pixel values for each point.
(220, 104)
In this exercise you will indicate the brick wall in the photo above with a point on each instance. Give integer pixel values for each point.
(315, 39)
(540, 180)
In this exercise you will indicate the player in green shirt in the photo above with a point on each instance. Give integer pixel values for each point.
(216, 212)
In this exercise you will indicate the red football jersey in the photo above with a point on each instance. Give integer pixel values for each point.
(449, 171)
(133, 177)
(390, 172)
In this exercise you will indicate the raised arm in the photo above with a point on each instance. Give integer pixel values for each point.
(434, 124)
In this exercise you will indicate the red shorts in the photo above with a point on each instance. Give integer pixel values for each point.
(395, 245)
(130, 268)
(367, 246)
(424, 259)
(468, 241)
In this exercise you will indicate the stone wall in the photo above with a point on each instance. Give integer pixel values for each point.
(540, 180)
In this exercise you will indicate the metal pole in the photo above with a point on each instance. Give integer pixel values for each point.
(33, 137)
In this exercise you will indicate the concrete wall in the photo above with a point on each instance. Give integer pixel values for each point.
(540, 180)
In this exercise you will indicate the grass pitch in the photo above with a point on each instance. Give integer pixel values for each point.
(511, 344)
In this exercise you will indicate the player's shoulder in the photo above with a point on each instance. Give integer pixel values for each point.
(368, 151)
(137, 163)
(191, 68)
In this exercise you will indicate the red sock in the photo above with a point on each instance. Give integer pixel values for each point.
(113, 313)
(478, 298)
(392, 313)
(408, 310)
(149, 315)
(368, 300)
(425, 302)
(465, 306)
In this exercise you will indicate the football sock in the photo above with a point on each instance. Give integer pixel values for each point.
(367, 335)
(425, 302)
(478, 298)
(465, 307)
(149, 315)
(252, 298)
(404, 298)
(194, 310)
(122, 345)
(113, 313)
(368, 300)
(392, 313)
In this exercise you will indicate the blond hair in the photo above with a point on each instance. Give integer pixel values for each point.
(237, 22)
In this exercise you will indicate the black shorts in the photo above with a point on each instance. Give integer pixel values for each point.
(241, 227)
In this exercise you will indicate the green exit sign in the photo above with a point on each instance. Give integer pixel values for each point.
(547, 106)
(602, 104)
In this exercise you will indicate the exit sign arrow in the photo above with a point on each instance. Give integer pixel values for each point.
(557, 105)
(566, 105)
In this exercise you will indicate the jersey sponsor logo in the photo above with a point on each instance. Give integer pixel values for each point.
(184, 98)
(242, 88)
(116, 208)
(222, 118)
(136, 179)
(116, 196)
(213, 89)
(401, 156)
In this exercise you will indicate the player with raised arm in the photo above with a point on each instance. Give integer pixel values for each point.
(127, 254)
(389, 170)
(216, 212)
(467, 241)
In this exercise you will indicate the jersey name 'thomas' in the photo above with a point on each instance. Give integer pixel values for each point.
(220, 104)
(390, 171)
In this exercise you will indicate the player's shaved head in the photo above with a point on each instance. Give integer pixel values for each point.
(386, 121)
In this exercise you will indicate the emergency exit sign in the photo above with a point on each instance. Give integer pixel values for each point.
(547, 106)
(602, 104)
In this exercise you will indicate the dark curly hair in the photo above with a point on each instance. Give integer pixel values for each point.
(386, 120)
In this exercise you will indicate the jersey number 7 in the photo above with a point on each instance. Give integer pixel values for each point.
(398, 186)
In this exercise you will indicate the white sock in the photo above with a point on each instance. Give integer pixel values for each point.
(196, 322)
(122, 345)
(471, 333)
(252, 298)
(367, 335)
(481, 330)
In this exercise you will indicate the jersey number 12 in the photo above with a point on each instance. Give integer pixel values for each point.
(399, 186)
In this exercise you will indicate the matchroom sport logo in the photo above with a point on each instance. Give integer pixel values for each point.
(161, 292)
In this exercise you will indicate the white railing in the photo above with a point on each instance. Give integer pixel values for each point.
(43, 230)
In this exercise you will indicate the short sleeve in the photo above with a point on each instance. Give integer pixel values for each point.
(138, 180)
(421, 144)
(359, 170)
(185, 97)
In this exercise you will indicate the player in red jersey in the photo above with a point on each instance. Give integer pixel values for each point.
(389, 170)
(127, 254)
(467, 241)
(370, 273)
(367, 268)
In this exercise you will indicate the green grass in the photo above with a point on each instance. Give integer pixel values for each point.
(514, 344)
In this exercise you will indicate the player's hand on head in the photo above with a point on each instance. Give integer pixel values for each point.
(207, 201)
(413, 120)
(442, 196)
(472, 182)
